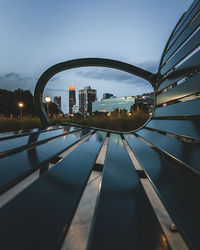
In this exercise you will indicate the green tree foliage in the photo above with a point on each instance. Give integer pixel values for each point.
(9, 101)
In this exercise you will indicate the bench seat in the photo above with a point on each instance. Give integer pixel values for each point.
(148, 196)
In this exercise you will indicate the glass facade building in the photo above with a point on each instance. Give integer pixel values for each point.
(109, 105)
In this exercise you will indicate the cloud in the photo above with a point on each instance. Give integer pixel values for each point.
(150, 65)
(13, 81)
(55, 89)
(117, 75)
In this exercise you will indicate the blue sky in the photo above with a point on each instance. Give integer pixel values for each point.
(36, 34)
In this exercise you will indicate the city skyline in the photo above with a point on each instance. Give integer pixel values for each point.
(38, 34)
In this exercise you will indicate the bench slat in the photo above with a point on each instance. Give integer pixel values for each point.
(192, 11)
(40, 216)
(193, 61)
(183, 37)
(182, 53)
(123, 216)
(186, 88)
(20, 142)
(178, 191)
(187, 128)
(186, 153)
(15, 134)
(18, 166)
(187, 108)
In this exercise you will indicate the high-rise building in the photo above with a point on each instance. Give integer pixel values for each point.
(57, 101)
(86, 97)
(107, 95)
(72, 98)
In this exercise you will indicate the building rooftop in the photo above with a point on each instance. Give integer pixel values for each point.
(72, 87)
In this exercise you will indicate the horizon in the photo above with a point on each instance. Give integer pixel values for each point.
(39, 34)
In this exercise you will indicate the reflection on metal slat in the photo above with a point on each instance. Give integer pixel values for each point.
(21, 143)
(184, 128)
(18, 166)
(182, 53)
(192, 11)
(49, 203)
(177, 190)
(184, 36)
(78, 232)
(11, 135)
(186, 88)
(123, 208)
(174, 239)
(192, 62)
(187, 108)
(184, 152)
(16, 189)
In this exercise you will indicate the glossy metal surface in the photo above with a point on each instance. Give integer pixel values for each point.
(18, 166)
(5, 135)
(178, 191)
(186, 108)
(83, 62)
(184, 128)
(186, 88)
(123, 218)
(185, 152)
(192, 63)
(40, 216)
(194, 8)
(184, 36)
(183, 52)
(10, 144)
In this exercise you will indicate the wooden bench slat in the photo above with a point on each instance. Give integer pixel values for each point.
(123, 216)
(187, 153)
(40, 216)
(16, 167)
(186, 88)
(187, 108)
(178, 191)
(186, 128)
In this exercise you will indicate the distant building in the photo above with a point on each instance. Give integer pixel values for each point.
(57, 101)
(72, 98)
(75, 109)
(109, 105)
(86, 97)
(107, 95)
(145, 102)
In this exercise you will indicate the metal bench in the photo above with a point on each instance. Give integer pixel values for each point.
(150, 184)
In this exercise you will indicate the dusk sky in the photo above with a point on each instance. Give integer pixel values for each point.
(36, 34)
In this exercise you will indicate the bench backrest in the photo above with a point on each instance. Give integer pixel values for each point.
(166, 150)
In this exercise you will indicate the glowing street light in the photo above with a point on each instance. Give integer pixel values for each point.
(21, 105)
(48, 99)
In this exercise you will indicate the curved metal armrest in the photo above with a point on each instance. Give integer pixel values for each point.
(83, 62)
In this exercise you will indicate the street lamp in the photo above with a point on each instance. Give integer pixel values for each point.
(48, 99)
(21, 105)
